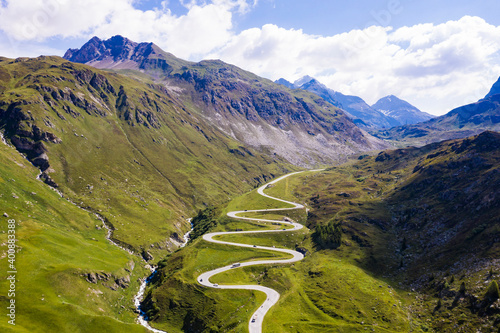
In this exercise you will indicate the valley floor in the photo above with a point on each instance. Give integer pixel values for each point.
(323, 292)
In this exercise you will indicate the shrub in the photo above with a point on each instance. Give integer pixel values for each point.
(204, 222)
(493, 293)
(328, 236)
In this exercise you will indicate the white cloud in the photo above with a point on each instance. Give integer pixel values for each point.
(435, 67)
(206, 26)
(190, 36)
(12, 48)
(40, 19)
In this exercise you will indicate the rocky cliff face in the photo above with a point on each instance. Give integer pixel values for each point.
(122, 53)
(296, 125)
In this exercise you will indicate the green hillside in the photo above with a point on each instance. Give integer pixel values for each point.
(418, 230)
(426, 220)
(130, 150)
(327, 291)
(58, 245)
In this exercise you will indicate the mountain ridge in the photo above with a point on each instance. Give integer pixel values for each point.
(461, 122)
(297, 126)
(362, 114)
(495, 89)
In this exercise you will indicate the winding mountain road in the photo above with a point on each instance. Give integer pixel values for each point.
(255, 324)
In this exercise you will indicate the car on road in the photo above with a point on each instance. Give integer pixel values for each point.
(216, 285)
(253, 320)
(255, 246)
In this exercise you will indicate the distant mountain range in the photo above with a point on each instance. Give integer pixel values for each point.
(388, 112)
(459, 123)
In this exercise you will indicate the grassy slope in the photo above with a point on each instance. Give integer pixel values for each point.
(441, 202)
(146, 165)
(57, 243)
(178, 303)
(416, 225)
(327, 291)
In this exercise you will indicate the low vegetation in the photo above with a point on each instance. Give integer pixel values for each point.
(328, 236)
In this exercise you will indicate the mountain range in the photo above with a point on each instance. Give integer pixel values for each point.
(202, 132)
(388, 112)
(298, 126)
(460, 122)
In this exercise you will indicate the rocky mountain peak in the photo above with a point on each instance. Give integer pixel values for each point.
(120, 47)
(285, 83)
(495, 89)
(312, 83)
(401, 110)
(355, 107)
(391, 102)
(119, 52)
(303, 80)
(117, 47)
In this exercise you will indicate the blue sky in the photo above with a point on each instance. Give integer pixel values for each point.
(435, 54)
(333, 17)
